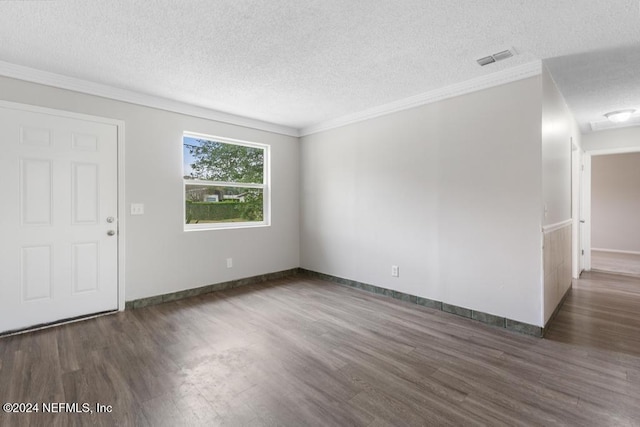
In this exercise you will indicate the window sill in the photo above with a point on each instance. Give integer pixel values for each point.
(225, 226)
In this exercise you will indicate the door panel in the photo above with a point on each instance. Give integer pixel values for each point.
(35, 191)
(85, 185)
(35, 274)
(58, 186)
(85, 267)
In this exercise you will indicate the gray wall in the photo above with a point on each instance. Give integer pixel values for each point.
(160, 256)
(451, 192)
(615, 202)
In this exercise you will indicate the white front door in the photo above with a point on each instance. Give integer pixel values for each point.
(58, 217)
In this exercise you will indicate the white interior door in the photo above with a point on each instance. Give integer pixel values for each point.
(58, 220)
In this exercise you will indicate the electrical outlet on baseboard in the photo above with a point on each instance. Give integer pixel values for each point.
(229, 262)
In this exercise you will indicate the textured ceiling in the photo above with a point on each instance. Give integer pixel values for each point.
(597, 82)
(300, 63)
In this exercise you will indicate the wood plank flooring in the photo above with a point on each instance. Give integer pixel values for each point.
(615, 262)
(303, 352)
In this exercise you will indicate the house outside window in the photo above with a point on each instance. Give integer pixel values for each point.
(225, 183)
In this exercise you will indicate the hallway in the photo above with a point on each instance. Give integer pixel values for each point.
(602, 315)
(615, 263)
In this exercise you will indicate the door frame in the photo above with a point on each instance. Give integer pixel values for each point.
(577, 264)
(121, 176)
(586, 195)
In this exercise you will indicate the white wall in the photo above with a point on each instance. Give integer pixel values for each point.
(615, 202)
(451, 192)
(559, 131)
(624, 138)
(160, 256)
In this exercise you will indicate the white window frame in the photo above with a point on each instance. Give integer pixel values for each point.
(265, 186)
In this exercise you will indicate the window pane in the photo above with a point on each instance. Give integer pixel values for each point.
(207, 204)
(220, 161)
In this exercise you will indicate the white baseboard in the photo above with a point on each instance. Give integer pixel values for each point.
(615, 251)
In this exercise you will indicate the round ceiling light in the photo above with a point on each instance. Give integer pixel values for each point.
(619, 116)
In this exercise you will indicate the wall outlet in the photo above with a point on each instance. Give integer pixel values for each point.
(229, 262)
(395, 271)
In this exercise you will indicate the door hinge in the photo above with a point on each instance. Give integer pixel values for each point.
(582, 252)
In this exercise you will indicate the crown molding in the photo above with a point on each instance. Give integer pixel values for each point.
(33, 75)
(483, 82)
(621, 150)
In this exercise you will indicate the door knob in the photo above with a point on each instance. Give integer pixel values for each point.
(110, 219)
(111, 233)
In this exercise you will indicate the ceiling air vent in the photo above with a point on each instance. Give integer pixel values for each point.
(486, 60)
(496, 57)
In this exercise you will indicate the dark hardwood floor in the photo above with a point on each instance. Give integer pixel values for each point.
(299, 351)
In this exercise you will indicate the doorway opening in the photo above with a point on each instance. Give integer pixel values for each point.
(611, 203)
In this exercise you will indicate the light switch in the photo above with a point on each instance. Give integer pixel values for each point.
(137, 209)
